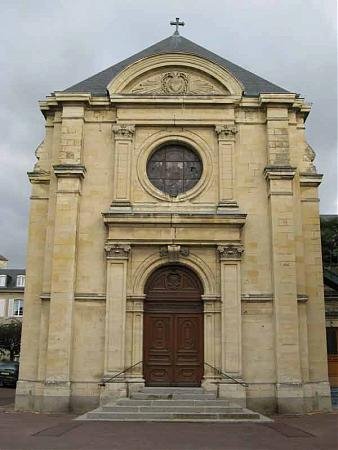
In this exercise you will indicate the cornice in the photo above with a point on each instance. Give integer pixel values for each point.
(57, 99)
(69, 170)
(39, 177)
(279, 172)
(282, 98)
(203, 220)
(310, 179)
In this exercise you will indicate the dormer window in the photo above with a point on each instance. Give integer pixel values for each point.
(3, 280)
(20, 281)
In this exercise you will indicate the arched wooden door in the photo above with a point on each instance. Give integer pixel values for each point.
(173, 328)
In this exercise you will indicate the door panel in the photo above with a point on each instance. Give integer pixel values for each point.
(158, 348)
(173, 328)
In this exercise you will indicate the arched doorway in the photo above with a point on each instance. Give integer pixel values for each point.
(173, 328)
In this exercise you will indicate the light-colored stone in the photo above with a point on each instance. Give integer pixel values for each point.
(249, 229)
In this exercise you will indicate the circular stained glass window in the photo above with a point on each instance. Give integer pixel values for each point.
(174, 169)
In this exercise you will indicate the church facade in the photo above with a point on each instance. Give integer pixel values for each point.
(174, 239)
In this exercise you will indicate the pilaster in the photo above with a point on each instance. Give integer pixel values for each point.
(281, 203)
(315, 307)
(60, 334)
(226, 135)
(229, 256)
(123, 138)
(35, 260)
(116, 299)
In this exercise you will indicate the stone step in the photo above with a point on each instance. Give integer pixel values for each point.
(159, 402)
(173, 390)
(175, 396)
(171, 409)
(244, 415)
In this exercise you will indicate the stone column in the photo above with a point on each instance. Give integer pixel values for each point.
(231, 341)
(226, 144)
(122, 164)
(58, 363)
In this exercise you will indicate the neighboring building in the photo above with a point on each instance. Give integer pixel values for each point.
(329, 232)
(174, 225)
(12, 285)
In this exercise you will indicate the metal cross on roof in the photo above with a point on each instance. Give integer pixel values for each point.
(177, 23)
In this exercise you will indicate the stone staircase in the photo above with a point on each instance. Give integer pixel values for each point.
(172, 405)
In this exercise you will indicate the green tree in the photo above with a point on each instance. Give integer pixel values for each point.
(329, 234)
(10, 338)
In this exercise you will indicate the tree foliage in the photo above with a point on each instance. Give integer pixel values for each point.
(329, 235)
(10, 338)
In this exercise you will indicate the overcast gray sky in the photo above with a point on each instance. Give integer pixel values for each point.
(50, 45)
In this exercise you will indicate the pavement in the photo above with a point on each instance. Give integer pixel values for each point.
(37, 431)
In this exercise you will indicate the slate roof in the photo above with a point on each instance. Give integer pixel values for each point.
(253, 84)
(11, 279)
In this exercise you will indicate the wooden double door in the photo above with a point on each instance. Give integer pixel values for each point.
(173, 328)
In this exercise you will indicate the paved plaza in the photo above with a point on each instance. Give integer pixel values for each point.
(33, 431)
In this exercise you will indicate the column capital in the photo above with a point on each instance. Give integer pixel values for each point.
(226, 132)
(123, 131)
(230, 251)
(115, 250)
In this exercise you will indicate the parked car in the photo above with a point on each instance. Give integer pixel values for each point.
(9, 372)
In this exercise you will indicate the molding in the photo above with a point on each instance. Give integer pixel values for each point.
(237, 219)
(69, 170)
(211, 298)
(116, 250)
(39, 177)
(275, 98)
(230, 251)
(257, 298)
(192, 139)
(166, 62)
(279, 172)
(302, 298)
(308, 179)
(174, 252)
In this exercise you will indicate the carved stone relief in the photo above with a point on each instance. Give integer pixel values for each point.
(177, 82)
(123, 131)
(173, 252)
(116, 250)
(309, 157)
(230, 251)
(225, 131)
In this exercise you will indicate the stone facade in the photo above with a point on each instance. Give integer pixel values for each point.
(249, 229)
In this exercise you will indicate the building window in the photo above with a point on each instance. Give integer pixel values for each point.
(15, 307)
(20, 281)
(332, 340)
(3, 279)
(174, 169)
